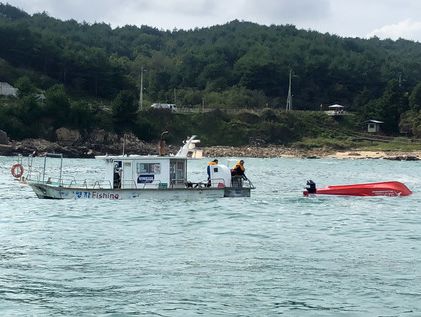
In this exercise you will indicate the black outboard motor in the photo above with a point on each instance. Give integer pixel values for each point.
(311, 187)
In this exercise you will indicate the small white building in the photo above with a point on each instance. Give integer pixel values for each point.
(336, 110)
(8, 90)
(373, 126)
(167, 106)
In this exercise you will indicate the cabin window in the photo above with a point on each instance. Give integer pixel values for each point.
(148, 168)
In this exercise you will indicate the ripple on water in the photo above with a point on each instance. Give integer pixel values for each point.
(274, 253)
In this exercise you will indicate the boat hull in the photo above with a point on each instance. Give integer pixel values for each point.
(237, 192)
(45, 191)
(369, 189)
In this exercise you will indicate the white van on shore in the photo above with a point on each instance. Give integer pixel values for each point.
(167, 106)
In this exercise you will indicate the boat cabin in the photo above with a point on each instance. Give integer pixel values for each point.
(152, 172)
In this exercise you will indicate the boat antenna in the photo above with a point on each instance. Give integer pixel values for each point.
(124, 142)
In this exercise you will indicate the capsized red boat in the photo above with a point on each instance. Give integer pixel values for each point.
(391, 188)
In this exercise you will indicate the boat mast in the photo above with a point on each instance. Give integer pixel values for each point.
(124, 143)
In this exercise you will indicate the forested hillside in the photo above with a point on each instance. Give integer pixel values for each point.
(85, 69)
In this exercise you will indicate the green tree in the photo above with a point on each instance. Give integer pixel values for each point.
(81, 116)
(25, 86)
(57, 106)
(124, 108)
(394, 104)
(29, 110)
(415, 98)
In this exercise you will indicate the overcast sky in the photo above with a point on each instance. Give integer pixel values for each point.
(354, 18)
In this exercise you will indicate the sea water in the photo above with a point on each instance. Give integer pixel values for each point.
(276, 253)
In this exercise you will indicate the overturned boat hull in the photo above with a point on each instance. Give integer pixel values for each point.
(391, 188)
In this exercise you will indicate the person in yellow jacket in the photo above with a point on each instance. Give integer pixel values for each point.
(238, 169)
(211, 163)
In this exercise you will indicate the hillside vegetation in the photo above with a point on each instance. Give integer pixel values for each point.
(90, 76)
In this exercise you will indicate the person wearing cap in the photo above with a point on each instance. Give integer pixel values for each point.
(211, 163)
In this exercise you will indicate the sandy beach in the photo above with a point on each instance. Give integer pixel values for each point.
(280, 151)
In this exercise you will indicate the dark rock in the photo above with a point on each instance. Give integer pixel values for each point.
(6, 150)
(67, 136)
(402, 158)
(3, 137)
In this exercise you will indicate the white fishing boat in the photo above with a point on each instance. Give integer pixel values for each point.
(141, 176)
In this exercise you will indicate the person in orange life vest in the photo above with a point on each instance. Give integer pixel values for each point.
(212, 163)
(239, 169)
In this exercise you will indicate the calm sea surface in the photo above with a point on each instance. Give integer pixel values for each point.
(274, 253)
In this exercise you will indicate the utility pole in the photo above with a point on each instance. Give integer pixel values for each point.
(289, 98)
(141, 90)
(175, 96)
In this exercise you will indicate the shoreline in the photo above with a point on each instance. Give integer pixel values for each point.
(28, 146)
(320, 153)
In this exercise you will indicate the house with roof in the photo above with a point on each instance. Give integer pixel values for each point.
(8, 90)
(373, 126)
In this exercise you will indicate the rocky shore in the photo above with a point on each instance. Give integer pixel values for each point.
(102, 143)
(39, 146)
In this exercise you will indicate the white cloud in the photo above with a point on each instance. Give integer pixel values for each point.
(282, 11)
(357, 18)
(186, 14)
(407, 29)
(171, 14)
(188, 7)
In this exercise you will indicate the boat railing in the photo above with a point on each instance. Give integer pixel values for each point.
(52, 181)
(61, 182)
(90, 184)
(242, 182)
(34, 176)
(87, 184)
(153, 184)
(216, 182)
(70, 182)
(129, 184)
(100, 184)
(248, 183)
